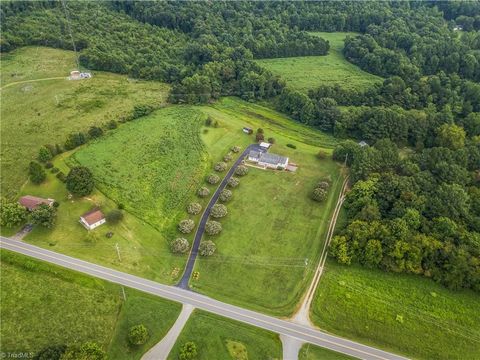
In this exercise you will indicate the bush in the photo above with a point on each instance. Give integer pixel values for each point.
(54, 352)
(61, 176)
(48, 165)
(56, 204)
(36, 172)
(322, 155)
(74, 140)
(194, 208)
(95, 132)
(44, 154)
(114, 216)
(138, 335)
(208, 121)
(120, 206)
(291, 146)
(186, 226)
(188, 351)
(213, 179)
(220, 166)
(44, 215)
(112, 124)
(218, 211)
(241, 170)
(203, 192)
(227, 158)
(207, 248)
(180, 246)
(11, 214)
(323, 185)
(213, 227)
(54, 170)
(259, 137)
(80, 181)
(319, 194)
(271, 140)
(225, 195)
(236, 149)
(260, 131)
(233, 182)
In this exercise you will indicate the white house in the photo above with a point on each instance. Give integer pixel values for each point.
(265, 145)
(92, 219)
(267, 160)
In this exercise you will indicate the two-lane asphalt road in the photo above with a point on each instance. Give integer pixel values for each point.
(304, 333)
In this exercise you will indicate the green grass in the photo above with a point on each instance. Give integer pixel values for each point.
(402, 313)
(43, 305)
(34, 113)
(273, 234)
(214, 336)
(309, 72)
(311, 352)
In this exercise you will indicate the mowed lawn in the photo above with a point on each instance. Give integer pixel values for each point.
(308, 72)
(219, 338)
(312, 352)
(406, 314)
(35, 113)
(273, 233)
(44, 305)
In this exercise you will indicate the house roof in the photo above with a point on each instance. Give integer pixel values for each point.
(273, 159)
(31, 202)
(93, 216)
(254, 154)
(265, 144)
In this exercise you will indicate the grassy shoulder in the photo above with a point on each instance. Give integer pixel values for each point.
(311, 352)
(35, 113)
(402, 313)
(220, 338)
(309, 72)
(44, 305)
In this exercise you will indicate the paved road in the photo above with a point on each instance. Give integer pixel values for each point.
(282, 327)
(183, 283)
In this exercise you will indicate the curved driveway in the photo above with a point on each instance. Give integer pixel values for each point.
(183, 283)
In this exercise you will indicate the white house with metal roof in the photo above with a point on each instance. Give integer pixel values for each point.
(267, 160)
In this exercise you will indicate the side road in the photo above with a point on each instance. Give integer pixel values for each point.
(282, 327)
(183, 283)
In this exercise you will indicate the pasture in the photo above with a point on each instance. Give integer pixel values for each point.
(36, 112)
(403, 313)
(220, 338)
(308, 72)
(44, 305)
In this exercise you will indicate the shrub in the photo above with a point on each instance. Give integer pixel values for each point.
(188, 351)
(203, 192)
(241, 170)
(323, 185)
(218, 211)
(120, 206)
(271, 140)
(207, 248)
(259, 137)
(322, 155)
(319, 194)
(80, 181)
(11, 214)
(138, 335)
(54, 170)
(225, 195)
(114, 216)
(213, 227)
(36, 172)
(89, 350)
(292, 146)
(95, 132)
(215, 124)
(44, 215)
(140, 110)
(186, 226)
(180, 246)
(54, 352)
(61, 176)
(194, 208)
(56, 204)
(260, 131)
(213, 179)
(236, 149)
(227, 158)
(208, 121)
(48, 165)
(74, 140)
(233, 182)
(112, 124)
(220, 166)
(44, 154)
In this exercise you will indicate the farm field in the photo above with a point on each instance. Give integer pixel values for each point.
(311, 352)
(308, 72)
(273, 233)
(44, 305)
(402, 313)
(220, 338)
(34, 113)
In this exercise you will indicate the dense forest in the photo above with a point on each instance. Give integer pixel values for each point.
(414, 204)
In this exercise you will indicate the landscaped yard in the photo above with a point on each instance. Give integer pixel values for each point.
(216, 337)
(44, 305)
(309, 72)
(45, 112)
(402, 313)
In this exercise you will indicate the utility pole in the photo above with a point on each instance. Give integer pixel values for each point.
(118, 251)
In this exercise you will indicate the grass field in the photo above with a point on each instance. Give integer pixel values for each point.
(309, 72)
(403, 313)
(311, 352)
(273, 233)
(220, 338)
(34, 113)
(43, 305)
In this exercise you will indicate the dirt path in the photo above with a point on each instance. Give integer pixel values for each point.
(302, 316)
(35, 80)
